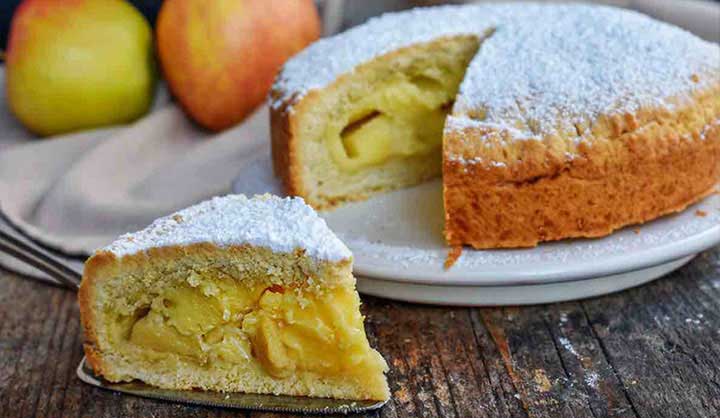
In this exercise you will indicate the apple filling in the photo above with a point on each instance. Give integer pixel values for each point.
(221, 323)
(401, 117)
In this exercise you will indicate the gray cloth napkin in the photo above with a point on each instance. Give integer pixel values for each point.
(76, 193)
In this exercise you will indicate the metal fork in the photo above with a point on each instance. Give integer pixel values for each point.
(70, 278)
(22, 251)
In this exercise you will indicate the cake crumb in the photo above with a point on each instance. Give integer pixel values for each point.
(636, 231)
(700, 213)
(542, 383)
(591, 379)
(452, 257)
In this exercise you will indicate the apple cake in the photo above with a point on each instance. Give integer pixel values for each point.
(545, 121)
(234, 294)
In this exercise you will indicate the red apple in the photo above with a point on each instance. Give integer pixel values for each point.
(220, 57)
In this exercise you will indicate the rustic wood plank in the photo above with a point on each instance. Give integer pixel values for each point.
(462, 362)
(543, 383)
(584, 362)
(496, 360)
(555, 362)
(411, 379)
(662, 342)
(650, 352)
(435, 357)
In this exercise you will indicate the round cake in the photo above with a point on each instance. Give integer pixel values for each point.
(545, 121)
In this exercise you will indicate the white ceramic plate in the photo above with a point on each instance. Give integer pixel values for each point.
(530, 294)
(397, 242)
(399, 236)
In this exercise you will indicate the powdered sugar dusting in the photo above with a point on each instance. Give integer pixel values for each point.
(320, 64)
(281, 224)
(591, 379)
(567, 345)
(543, 69)
(580, 63)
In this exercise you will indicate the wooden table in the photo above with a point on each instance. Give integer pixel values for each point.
(648, 352)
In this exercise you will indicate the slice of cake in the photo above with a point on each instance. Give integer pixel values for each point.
(547, 121)
(376, 129)
(234, 294)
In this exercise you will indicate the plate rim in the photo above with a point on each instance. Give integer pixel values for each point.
(555, 272)
(525, 283)
(460, 296)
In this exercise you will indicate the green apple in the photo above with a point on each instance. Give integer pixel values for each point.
(78, 64)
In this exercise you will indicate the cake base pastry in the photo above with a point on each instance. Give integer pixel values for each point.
(545, 121)
(234, 294)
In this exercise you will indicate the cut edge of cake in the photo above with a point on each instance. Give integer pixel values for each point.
(191, 309)
(308, 157)
(518, 170)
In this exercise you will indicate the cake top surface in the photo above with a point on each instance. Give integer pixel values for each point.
(280, 224)
(539, 64)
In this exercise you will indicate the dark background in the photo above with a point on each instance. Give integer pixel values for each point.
(148, 7)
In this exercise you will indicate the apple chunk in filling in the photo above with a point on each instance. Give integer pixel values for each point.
(222, 324)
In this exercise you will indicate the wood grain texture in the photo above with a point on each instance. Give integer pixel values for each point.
(653, 351)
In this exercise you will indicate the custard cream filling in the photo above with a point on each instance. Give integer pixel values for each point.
(220, 323)
(401, 118)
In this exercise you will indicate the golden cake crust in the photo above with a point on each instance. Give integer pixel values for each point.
(87, 315)
(105, 264)
(551, 136)
(635, 168)
(285, 155)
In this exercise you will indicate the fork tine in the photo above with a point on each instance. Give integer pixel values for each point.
(40, 255)
(43, 262)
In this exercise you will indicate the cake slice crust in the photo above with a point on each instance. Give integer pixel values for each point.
(234, 317)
